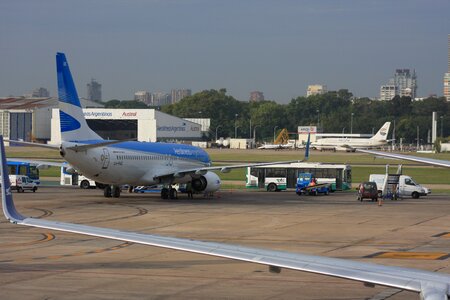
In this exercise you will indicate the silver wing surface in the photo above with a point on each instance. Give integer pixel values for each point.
(430, 285)
(38, 163)
(424, 160)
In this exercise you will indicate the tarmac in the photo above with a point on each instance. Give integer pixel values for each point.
(43, 264)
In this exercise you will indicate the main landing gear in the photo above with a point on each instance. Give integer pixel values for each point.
(111, 191)
(169, 193)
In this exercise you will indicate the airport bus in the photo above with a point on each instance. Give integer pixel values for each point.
(282, 176)
(24, 168)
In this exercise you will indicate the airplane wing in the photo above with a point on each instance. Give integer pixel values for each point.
(40, 164)
(424, 160)
(222, 169)
(55, 147)
(226, 169)
(430, 285)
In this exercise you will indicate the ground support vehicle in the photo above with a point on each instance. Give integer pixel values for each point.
(399, 186)
(307, 184)
(367, 190)
(22, 183)
(280, 177)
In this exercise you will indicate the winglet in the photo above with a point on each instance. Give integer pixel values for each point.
(7, 200)
(308, 143)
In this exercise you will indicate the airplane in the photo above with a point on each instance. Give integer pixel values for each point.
(378, 140)
(430, 285)
(276, 146)
(114, 163)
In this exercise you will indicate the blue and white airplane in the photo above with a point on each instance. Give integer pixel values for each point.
(114, 163)
(430, 285)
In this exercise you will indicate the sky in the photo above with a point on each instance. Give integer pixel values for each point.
(278, 47)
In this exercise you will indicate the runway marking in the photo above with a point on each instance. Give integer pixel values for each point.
(79, 253)
(46, 237)
(443, 234)
(141, 211)
(411, 255)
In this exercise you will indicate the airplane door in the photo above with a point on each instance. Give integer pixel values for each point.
(339, 179)
(261, 178)
(75, 179)
(105, 158)
(292, 178)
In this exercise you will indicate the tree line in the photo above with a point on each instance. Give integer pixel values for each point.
(333, 112)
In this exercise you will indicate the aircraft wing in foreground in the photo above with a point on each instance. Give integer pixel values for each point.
(424, 160)
(430, 285)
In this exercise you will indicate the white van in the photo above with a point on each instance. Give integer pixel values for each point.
(21, 183)
(407, 187)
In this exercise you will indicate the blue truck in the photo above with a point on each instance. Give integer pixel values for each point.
(306, 184)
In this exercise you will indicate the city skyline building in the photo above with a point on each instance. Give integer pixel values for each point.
(256, 96)
(406, 82)
(316, 89)
(447, 75)
(94, 91)
(143, 96)
(178, 94)
(40, 93)
(387, 92)
(160, 99)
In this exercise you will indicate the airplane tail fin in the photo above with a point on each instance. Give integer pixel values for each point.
(382, 133)
(73, 123)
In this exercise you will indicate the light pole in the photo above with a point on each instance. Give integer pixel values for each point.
(235, 125)
(250, 133)
(274, 130)
(318, 118)
(254, 132)
(442, 126)
(217, 129)
(351, 124)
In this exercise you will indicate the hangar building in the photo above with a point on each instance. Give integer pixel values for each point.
(145, 125)
(37, 119)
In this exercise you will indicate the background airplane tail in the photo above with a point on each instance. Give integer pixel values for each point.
(73, 123)
(383, 132)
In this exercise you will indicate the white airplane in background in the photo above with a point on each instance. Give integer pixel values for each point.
(115, 163)
(343, 144)
(276, 146)
(430, 285)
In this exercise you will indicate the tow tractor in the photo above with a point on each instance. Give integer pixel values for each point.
(306, 184)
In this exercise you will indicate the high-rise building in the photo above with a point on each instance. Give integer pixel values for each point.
(406, 82)
(94, 91)
(447, 75)
(40, 93)
(256, 96)
(143, 96)
(316, 89)
(387, 92)
(447, 86)
(159, 99)
(178, 94)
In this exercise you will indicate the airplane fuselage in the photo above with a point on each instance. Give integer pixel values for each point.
(344, 143)
(135, 163)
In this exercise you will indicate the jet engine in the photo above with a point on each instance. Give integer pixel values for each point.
(209, 182)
